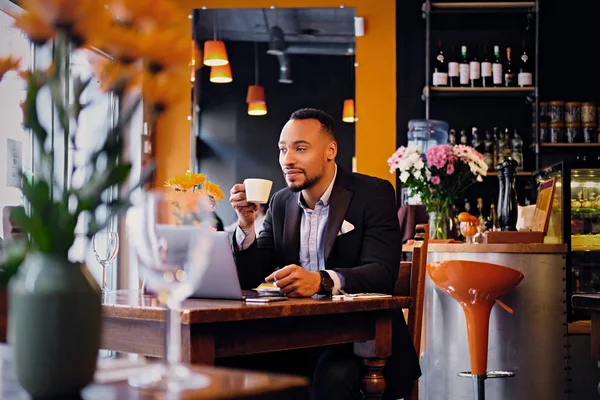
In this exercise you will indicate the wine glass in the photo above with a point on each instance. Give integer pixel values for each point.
(171, 237)
(106, 247)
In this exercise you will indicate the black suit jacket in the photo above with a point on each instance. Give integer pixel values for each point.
(368, 257)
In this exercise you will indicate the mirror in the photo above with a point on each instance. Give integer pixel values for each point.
(301, 57)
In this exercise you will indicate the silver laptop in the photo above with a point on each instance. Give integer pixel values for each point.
(221, 280)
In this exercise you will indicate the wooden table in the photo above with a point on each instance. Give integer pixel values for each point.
(591, 302)
(224, 328)
(225, 384)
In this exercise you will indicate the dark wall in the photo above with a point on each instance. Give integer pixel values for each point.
(234, 146)
(567, 31)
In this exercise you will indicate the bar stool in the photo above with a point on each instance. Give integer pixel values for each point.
(476, 286)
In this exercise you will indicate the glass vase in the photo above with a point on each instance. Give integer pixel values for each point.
(438, 224)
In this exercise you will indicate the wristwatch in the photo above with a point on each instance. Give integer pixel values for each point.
(326, 283)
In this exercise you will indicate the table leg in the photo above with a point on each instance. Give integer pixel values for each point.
(373, 382)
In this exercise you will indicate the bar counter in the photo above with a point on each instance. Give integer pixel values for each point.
(532, 342)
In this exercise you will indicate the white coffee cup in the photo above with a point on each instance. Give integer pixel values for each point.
(258, 190)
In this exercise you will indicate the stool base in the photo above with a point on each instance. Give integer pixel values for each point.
(479, 381)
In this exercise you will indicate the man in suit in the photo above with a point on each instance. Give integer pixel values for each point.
(329, 230)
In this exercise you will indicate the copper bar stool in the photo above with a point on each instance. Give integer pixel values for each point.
(476, 286)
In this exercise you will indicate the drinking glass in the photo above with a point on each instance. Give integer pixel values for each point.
(106, 247)
(171, 237)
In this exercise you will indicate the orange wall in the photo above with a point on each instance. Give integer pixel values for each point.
(375, 88)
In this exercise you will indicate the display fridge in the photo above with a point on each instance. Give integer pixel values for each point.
(575, 221)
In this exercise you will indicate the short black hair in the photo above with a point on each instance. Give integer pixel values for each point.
(327, 123)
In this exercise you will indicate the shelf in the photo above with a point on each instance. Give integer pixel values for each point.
(585, 248)
(518, 174)
(561, 145)
(480, 7)
(580, 327)
(435, 91)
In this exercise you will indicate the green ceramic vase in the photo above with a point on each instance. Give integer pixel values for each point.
(54, 326)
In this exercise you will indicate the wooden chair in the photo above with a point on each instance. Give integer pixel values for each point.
(411, 282)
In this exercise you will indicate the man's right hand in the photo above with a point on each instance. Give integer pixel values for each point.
(245, 211)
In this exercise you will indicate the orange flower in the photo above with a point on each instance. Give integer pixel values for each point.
(113, 75)
(121, 43)
(36, 29)
(214, 191)
(186, 181)
(146, 14)
(8, 64)
(61, 13)
(169, 48)
(165, 88)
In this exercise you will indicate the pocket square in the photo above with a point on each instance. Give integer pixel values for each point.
(346, 227)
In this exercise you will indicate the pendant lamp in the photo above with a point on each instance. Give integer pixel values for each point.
(221, 74)
(348, 113)
(214, 50)
(348, 110)
(257, 104)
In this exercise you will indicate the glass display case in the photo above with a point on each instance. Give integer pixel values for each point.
(575, 221)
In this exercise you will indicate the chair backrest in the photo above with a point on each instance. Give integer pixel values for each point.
(411, 282)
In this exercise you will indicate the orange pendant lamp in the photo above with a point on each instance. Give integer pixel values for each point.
(214, 50)
(215, 54)
(221, 74)
(257, 104)
(348, 113)
(257, 109)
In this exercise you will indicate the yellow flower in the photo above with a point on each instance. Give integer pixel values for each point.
(8, 64)
(186, 181)
(164, 88)
(113, 74)
(214, 191)
(36, 29)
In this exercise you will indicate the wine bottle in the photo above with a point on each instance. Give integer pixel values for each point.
(453, 70)
(464, 67)
(495, 139)
(497, 67)
(480, 211)
(509, 76)
(463, 137)
(475, 70)
(517, 150)
(525, 77)
(488, 150)
(440, 69)
(452, 137)
(486, 70)
(476, 141)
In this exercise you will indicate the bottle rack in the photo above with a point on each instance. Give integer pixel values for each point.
(530, 93)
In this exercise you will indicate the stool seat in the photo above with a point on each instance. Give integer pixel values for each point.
(475, 286)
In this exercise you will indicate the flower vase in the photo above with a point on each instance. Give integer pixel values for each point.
(54, 327)
(438, 224)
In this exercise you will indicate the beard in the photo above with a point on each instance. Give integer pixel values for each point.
(307, 184)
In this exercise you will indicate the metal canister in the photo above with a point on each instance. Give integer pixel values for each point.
(572, 132)
(588, 113)
(556, 132)
(556, 112)
(589, 132)
(543, 132)
(543, 111)
(573, 112)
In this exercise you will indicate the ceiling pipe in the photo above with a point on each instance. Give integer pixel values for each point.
(285, 75)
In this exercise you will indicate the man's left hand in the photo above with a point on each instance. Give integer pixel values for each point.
(295, 281)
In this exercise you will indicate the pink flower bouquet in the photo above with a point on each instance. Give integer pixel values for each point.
(439, 177)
